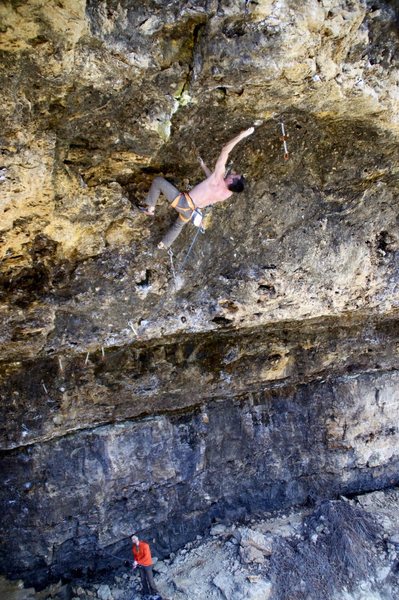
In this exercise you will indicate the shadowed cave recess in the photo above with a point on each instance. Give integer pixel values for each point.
(157, 394)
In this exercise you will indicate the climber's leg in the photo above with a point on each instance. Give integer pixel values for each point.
(158, 186)
(172, 234)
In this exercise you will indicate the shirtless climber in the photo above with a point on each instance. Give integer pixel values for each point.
(217, 187)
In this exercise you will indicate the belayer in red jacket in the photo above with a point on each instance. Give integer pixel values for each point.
(142, 560)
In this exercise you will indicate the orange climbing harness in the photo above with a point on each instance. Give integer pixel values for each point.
(190, 208)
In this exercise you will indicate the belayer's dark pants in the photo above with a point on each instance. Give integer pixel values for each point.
(147, 580)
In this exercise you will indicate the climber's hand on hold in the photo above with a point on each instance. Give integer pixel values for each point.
(248, 132)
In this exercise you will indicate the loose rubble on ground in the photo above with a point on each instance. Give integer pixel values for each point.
(342, 550)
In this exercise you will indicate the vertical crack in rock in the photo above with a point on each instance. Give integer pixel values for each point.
(182, 95)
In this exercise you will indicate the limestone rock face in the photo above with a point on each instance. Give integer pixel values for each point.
(157, 393)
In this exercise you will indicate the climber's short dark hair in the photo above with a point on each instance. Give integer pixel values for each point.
(237, 185)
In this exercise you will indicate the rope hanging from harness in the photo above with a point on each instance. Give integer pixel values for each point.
(172, 266)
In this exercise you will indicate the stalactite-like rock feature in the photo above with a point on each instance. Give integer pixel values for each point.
(264, 372)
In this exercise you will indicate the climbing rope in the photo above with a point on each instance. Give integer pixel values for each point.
(114, 556)
(199, 230)
(172, 266)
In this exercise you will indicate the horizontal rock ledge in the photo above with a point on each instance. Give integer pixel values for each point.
(75, 392)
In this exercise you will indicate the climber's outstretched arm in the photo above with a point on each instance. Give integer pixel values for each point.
(220, 166)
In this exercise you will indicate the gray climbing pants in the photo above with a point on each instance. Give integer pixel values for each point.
(158, 186)
(147, 581)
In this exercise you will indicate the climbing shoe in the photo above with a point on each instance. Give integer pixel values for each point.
(146, 210)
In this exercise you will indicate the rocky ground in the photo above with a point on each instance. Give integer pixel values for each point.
(346, 549)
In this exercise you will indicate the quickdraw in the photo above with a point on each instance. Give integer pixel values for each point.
(284, 139)
(133, 328)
